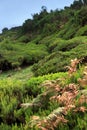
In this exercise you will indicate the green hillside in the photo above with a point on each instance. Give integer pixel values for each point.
(46, 39)
(43, 73)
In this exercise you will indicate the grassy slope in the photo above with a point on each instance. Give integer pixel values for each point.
(23, 74)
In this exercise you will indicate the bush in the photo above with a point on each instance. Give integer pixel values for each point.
(14, 54)
(82, 31)
(61, 55)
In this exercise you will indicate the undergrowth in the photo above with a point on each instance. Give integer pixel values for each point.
(45, 102)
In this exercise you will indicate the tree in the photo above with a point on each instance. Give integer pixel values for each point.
(27, 26)
(43, 12)
(81, 16)
(85, 2)
(4, 30)
(44, 9)
(77, 4)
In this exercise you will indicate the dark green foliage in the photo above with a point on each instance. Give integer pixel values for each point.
(81, 16)
(4, 30)
(77, 4)
(27, 26)
(14, 55)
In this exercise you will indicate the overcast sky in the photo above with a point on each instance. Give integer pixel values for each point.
(15, 12)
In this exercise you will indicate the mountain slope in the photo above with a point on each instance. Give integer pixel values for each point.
(49, 39)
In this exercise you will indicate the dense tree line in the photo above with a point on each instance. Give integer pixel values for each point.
(46, 23)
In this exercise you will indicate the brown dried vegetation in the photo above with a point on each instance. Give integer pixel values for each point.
(66, 96)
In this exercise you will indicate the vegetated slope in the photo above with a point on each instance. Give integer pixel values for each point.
(13, 92)
(22, 74)
(49, 39)
(45, 102)
(48, 42)
(61, 53)
(15, 54)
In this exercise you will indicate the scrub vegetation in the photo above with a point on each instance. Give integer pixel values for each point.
(43, 71)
